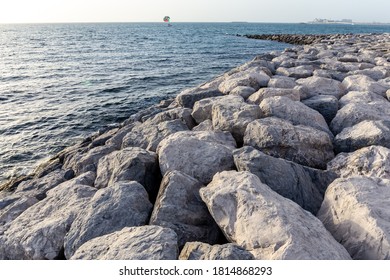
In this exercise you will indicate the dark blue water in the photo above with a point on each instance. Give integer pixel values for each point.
(61, 82)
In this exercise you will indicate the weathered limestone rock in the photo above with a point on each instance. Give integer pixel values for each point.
(130, 164)
(116, 140)
(295, 112)
(131, 243)
(361, 97)
(280, 138)
(282, 82)
(207, 125)
(203, 251)
(355, 211)
(315, 85)
(376, 73)
(124, 204)
(303, 185)
(370, 161)
(263, 93)
(297, 72)
(234, 117)
(179, 207)
(242, 91)
(363, 83)
(89, 161)
(363, 134)
(265, 223)
(251, 77)
(354, 113)
(188, 97)
(182, 114)
(39, 232)
(148, 135)
(199, 154)
(326, 105)
(203, 109)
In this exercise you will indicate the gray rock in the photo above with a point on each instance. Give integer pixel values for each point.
(280, 138)
(207, 125)
(116, 140)
(376, 73)
(268, 225)
(261, 94)
(251, 77)
(326, 105)
(130, 164)
(363, 83)
(203, 109)
(39, 232)
(354, 113)
(242, 91)
(303, 185)
(330, 74)
(355, 211)
(203, 251)
(179, 207)
(363, 134)
(148, 135)
(315, 85)
(298, 72)
(89, 161)
(234, 117)
(282, 82)
(388, 94)
(101, 139)
(182, 114)
(188, 97)
(199, 154)
(295, 112)
(349, 57)
(370, 161)
(131, 243)
(365, 97)
(124, 204)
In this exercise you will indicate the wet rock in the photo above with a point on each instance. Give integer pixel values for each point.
(363, 83)
(268, 225)
(370, 161)
(179, 207)
(297, 72)
(130, 164)
(355, 211)
(39, 232)
(263, 93)
(303, 185)
(295, 112)
(326, 105)
(131, 243)
(147, 135)
(124, 204)
(280, 138)
(315, 85)
(203, 251)
(199, 154)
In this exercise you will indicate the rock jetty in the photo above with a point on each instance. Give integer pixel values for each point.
(284, 157)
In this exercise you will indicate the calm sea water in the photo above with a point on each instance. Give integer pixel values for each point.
(61, 82)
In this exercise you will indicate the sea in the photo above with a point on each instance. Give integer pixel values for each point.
(60, 83)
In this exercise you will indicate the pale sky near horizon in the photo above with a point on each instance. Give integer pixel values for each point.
(37, 11)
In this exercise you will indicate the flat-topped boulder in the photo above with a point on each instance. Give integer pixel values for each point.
(363, 83)
(313, 86)
(263, 93)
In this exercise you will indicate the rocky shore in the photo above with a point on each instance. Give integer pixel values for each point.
(284, 157)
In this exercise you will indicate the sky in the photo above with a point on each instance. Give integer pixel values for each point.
(39, 11)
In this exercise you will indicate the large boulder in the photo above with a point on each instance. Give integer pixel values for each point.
(326, 105)
(263, 93)
(297, 72)
(370, 161)
(268, 225)
(188, 97)
(199, 154)
(179, 207)
(204, 251)
(315, 85)
(124, 204)
(131, 243)
(356, 212)
(295, 112)
(39, 232)
(182, 114)
(363, 134)
(361, 97)
(251, 77)
(89, 161)
(280, 138)
(242, 91)
(281, 82)
(354, 113)
(303, 185)
(130, 164)
(363, 83)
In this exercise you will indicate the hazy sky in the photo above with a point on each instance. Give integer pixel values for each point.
(191, 10)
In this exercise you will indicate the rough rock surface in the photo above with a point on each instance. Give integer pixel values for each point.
(124, 204)
(131, 243)
(263, 93)
(326, 105)
(204, 251)
(280, 138)
(363, 83)
(313, 86)
(356, 212)
(251, 77)
(199, 154)
(265, 223)
(179, 207)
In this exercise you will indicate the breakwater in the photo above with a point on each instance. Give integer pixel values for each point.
(284, 157)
